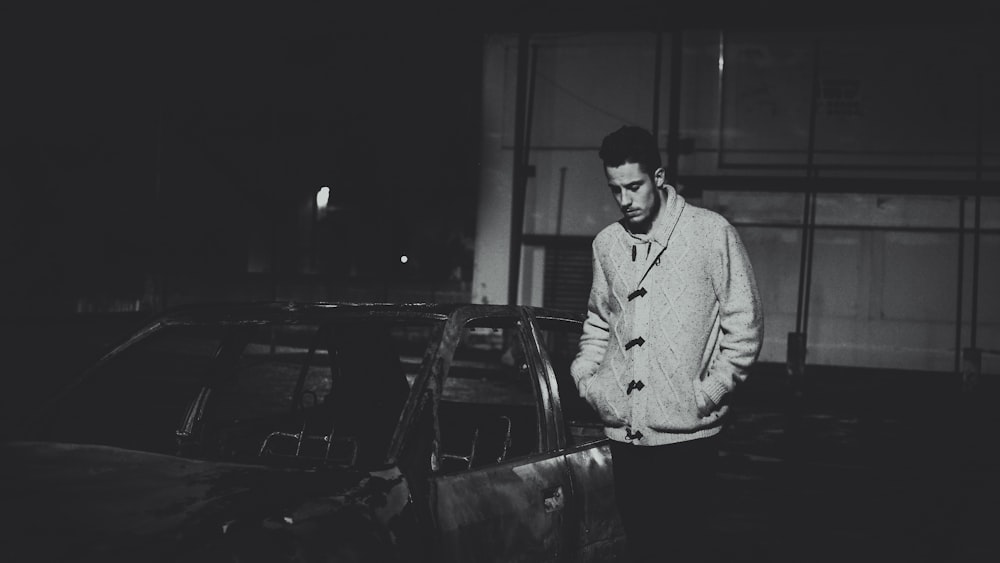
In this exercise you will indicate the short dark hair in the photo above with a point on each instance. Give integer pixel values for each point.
(631, 143)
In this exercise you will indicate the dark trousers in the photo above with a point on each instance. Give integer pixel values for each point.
(665, 496)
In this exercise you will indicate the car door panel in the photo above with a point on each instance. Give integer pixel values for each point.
(512, 507)
(514, 511)
(596, 533)
(598, 528)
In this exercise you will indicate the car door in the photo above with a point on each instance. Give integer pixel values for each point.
(597, 534)
(500, 484)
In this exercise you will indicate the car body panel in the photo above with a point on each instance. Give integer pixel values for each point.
(112, 502)
(518, 513)
(553, 504)
(599, 532)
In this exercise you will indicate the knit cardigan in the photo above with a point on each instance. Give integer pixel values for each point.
(673, 322)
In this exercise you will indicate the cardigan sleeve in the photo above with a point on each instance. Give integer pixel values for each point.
(741, 319)
(594, 340)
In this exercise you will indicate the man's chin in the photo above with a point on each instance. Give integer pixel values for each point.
(636, 223)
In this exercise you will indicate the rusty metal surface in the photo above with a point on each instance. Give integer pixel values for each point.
(556, 505)
(518, 513)
(74, 502)
(598, 528)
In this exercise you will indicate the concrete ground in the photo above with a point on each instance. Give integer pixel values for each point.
(879, 467)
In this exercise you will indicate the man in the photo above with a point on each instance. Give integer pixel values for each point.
(673, 324)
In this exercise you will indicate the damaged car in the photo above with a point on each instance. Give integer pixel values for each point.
(320, 432)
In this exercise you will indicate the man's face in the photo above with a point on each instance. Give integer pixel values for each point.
(637, 193)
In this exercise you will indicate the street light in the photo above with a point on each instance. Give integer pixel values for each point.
(322, 201)
(322, 198)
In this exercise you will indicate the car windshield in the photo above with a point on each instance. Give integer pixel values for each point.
(253, 392)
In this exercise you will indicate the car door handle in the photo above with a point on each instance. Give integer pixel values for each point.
(554, 499)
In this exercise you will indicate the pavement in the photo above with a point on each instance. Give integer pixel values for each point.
(892, 469)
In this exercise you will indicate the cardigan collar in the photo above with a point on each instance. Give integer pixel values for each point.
(671, 206)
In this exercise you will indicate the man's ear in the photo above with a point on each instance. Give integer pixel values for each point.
(660, 178)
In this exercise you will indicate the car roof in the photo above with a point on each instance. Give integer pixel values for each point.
(305, 312)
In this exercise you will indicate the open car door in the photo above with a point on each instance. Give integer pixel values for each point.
(500, 487)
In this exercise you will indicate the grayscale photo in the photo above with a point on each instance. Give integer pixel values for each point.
(502, 281)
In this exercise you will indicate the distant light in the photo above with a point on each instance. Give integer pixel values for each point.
(722, 62)
(323, 197)
(404, 259)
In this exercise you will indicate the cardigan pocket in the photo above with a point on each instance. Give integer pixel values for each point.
(712, 416)
(673, 408)
(608, 399)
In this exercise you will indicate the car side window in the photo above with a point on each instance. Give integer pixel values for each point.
(137, 398)
(560, 339)
(488, 411)
(268, 372)
(322, 394)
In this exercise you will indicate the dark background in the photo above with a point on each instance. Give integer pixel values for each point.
(141, 140)
(154, 139)
(145, 138)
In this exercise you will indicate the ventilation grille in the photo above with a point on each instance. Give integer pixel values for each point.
(568, 275)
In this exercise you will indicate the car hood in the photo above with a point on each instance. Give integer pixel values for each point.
(70, 502)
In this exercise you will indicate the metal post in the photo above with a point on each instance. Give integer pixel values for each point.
(562, 193)
(972, 367)
(975, 272)
(972, 357)
(809, 267)
(554, 252)
(269, 177)
(529, 112)
(806, 200)
(657, 63)
(977, 225)
(520, 184)
(159, 275)
(673, 134)
(796, 356)
(811, 175)
(961, 283)
(722, 99)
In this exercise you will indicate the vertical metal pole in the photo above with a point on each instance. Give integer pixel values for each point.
(160, 275)
(674, 134)
(269, 177)
(797, 341)
(313, 236)
(517, 203)
(809, 269)
(975, 274)
(722, 98)
(812, 174)
(529, 112)
(562, 193)
(274, 251)
(657, 63)
(973, 356)
(961, 283)
(806, 200)
(979, 198)
(554, 252)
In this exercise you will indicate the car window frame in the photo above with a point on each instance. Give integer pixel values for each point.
(539, 317)
(548, 444)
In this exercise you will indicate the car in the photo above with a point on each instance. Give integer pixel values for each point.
(320, 432)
